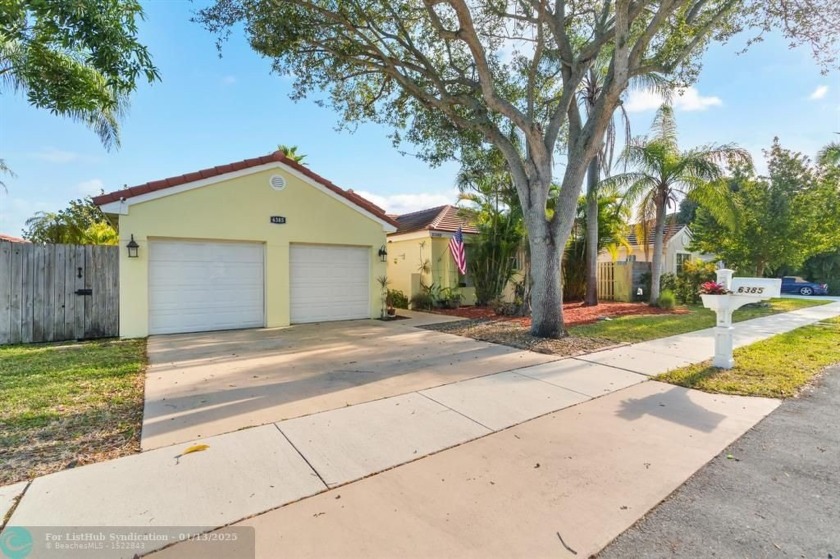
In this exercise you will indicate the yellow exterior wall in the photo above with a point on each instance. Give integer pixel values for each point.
(238, 210)
(404, 261)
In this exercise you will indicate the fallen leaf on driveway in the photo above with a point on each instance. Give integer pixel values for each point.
(190, 450)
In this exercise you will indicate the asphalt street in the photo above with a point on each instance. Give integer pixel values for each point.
(773, 493)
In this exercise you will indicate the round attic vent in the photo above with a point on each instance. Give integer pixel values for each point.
(277, 182)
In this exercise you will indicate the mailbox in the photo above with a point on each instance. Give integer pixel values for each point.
(743, 291)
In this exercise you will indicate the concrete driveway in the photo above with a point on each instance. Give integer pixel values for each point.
(199, 385)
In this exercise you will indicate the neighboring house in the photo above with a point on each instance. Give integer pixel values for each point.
(418, 251)
(677, 239)
(10, 239)
(259, 242)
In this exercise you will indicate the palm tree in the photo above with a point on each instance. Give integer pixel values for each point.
(663, 173)
(290, 152)
(4, 170)
(829, 156)
(602, 163)
(89, 99)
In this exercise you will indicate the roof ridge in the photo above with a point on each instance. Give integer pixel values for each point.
(276, 157)
(423, 210)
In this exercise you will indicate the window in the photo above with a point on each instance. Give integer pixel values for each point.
(630, 258)
(682, 258)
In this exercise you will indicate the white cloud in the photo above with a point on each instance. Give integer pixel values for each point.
(819, 93)
(686, 100)
(406, 203)
(92, 187)
(228, 80)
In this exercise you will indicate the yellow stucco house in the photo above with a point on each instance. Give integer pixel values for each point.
(418, 251)
(260, 242)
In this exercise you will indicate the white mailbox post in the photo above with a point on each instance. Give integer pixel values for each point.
(743, 292)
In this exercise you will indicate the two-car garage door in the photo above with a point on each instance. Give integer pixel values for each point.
(197, 286)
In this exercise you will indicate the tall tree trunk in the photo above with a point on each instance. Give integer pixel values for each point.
(658, 244)
(592, 175)
(546, 290)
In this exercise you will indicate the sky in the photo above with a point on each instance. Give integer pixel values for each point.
(208, 111)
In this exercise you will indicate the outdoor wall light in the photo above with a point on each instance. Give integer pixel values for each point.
(132, 247)
(383, 254)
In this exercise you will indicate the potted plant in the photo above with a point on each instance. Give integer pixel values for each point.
(390, 310)
(710, 293)
(383, 282)
(713, 288)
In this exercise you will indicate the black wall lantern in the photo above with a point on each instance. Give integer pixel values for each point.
(383, 254)
(132, 247)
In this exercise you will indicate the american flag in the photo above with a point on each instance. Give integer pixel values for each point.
(456, 247)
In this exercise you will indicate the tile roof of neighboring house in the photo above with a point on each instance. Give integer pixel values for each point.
(441, 218)
(10, 239)
(671, 229)
(276, 157)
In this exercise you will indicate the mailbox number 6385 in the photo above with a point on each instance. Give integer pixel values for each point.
(756, 290)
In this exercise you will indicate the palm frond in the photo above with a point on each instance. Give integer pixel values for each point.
(664, 126)
(829, 156)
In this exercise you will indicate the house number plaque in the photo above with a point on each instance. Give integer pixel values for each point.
(279, 219)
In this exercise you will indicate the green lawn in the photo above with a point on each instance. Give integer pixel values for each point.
(648, 327)
(777, 367)
(63, 405)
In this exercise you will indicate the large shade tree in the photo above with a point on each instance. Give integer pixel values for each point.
(661, 174)
(445, 73)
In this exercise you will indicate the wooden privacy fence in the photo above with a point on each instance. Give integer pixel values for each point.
(51, 293)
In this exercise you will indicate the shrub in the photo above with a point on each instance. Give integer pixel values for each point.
(397, 299)
(694, 273)
(667, 300)
(422, 301)
(448, 298)
(668, 282)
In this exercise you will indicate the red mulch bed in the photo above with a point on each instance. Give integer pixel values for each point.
(574, 314)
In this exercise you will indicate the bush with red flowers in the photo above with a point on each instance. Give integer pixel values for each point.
(712, 288)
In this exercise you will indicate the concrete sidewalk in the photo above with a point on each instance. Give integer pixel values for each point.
(255, 470)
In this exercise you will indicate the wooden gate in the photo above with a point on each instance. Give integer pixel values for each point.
(51, 293)
(606, 281)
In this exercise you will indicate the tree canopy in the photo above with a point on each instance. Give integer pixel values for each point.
(80, 223)
(449, 73)
(78, 59)
(782, 219)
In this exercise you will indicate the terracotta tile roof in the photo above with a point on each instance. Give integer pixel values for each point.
(276, 157)
(10, 239)
(441, 218)
(671, 229)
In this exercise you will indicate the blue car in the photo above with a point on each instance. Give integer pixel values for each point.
(799, 286)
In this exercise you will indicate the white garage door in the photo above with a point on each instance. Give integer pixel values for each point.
(329, 283)
(195, 286)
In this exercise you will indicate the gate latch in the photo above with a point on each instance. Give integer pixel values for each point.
(84, 292)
